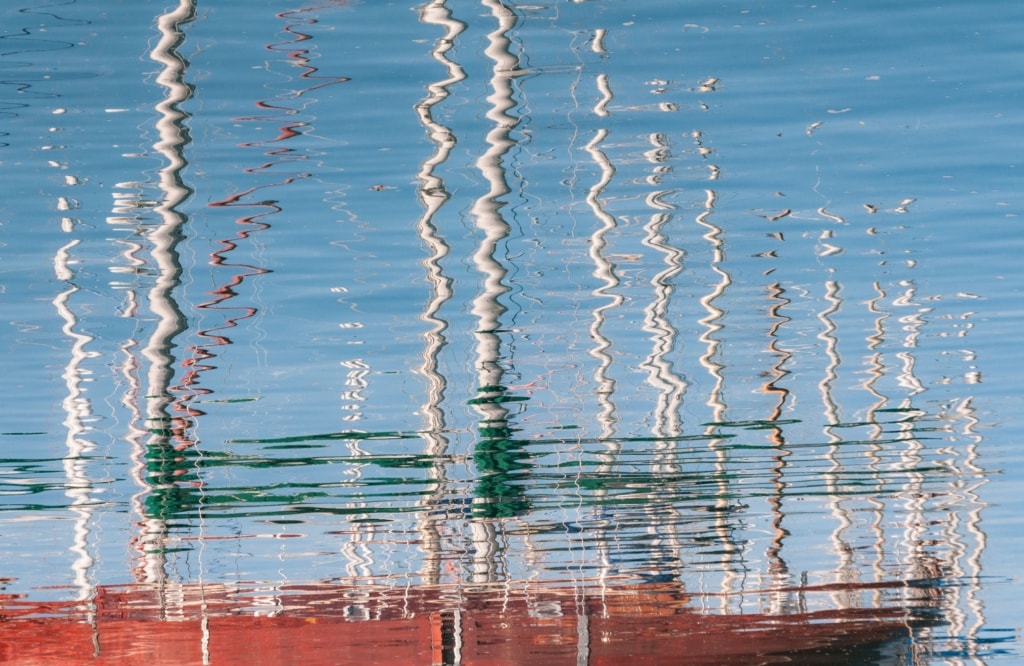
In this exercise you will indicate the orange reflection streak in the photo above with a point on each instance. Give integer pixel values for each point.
(201, 353)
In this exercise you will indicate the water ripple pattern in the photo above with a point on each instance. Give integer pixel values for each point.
(477, 318)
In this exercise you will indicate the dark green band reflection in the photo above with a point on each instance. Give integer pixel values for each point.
(501, 461)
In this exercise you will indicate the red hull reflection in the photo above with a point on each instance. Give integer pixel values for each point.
(321, 624)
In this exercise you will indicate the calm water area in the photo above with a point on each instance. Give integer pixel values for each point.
(477, 331)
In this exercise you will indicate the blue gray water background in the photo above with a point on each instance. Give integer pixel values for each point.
(726, 293)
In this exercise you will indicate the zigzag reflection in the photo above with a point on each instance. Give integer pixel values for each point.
(165, 463)
(201, 354)
(433, 195)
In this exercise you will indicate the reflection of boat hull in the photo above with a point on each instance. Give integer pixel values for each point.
(321, 624)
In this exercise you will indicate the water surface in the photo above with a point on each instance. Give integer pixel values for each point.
(585, 299)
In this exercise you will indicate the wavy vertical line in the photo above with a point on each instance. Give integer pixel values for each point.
(911, 456)
(778, 371)
(301, 56)
(661, 373)
(778, 568)
(847, 571)
(79, 487)
(712, 323)
(665, 516)
(488, 307)
(433, 196)
(660, 368)
(604, 271)
(876, 366)
(496, 453)
(831, 340)
(972, 563)
(173, 136)
(875, 373)
(168, 434)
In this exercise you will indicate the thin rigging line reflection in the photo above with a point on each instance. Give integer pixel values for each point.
(778, 569)
(278, 153)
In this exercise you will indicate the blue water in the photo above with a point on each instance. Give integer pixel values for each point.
(721, 294)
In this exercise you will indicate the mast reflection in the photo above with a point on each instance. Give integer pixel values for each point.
(433, 195)
(173, 136)
(169, 447)
(78, 410)
(498, 455)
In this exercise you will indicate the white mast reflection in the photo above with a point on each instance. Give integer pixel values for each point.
(604, 271)
(78, 411)
(671, 386)
(433, 195)
(163, 240)
(664, 515)
(895, 454)
(847, 570)
(710, 360)
(969, 622)
(166, 236)
(487, 306)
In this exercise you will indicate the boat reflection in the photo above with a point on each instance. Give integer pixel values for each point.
(485, 624)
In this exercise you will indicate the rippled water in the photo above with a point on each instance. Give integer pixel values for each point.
(709, 307)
